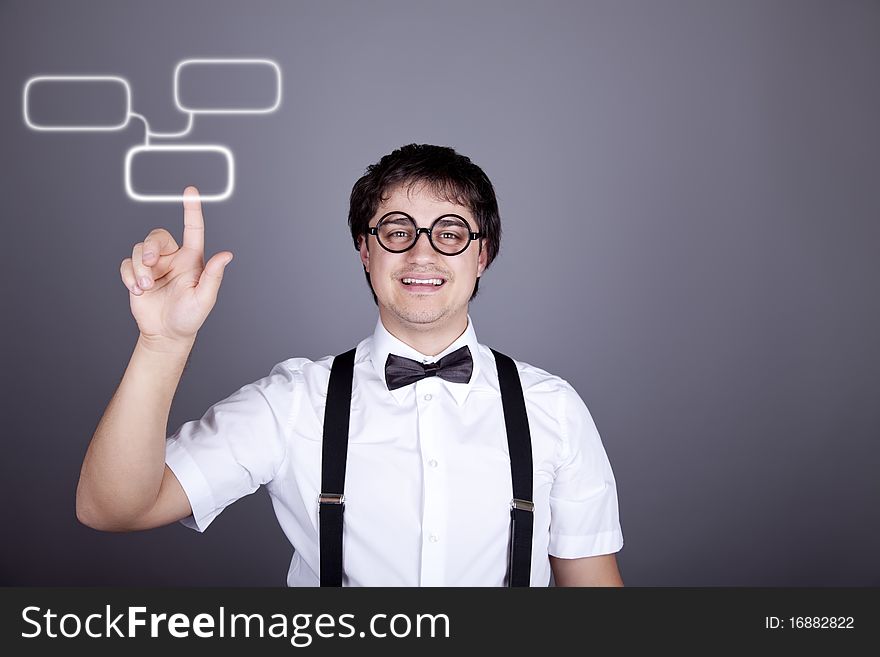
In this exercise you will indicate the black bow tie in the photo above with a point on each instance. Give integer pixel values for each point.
(456, 367)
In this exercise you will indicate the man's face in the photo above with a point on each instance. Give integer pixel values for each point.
(422, 307)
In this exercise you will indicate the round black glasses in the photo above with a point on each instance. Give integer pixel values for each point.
(449, 235)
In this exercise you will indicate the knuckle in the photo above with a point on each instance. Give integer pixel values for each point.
(156, 234)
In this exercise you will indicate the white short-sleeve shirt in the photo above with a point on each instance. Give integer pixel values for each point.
(428, 483)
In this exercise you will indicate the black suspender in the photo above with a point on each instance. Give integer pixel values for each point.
(334, 454)
(331, 502)
(519, 444)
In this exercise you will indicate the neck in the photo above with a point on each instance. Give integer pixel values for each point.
(428, 339)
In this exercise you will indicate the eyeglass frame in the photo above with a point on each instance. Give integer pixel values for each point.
(374, 230)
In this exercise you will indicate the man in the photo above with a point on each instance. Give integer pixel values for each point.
(420, 458)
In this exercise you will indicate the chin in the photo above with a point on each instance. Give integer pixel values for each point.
(411, 312)
(421, 315)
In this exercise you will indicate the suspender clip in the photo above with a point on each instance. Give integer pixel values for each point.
(522, 505)
(331, 498)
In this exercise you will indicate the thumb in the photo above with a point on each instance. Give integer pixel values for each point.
(212, 276)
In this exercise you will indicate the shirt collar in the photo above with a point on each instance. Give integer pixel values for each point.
(384, 343)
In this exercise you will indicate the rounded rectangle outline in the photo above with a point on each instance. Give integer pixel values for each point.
(204, 148)
(192, 110)
(76, 78)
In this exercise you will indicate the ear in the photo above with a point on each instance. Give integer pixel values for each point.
(483, 258)
(365, 253)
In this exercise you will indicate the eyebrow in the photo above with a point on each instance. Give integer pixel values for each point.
(395, 221)
(446, 222)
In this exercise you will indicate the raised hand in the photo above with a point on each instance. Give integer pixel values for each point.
(171, 288)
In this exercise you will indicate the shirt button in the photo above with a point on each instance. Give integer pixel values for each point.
(432, 463)
(433, 538)
(428, 397)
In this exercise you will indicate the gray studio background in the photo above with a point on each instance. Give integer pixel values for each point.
(689, 194)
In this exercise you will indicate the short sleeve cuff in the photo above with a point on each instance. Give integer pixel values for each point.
(194, 484)
(575, 547)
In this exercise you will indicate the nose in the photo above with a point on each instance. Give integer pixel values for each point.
(422, 251)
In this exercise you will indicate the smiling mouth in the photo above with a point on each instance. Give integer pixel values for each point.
(422, 282)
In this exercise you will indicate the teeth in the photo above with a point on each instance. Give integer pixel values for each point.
(423, 281)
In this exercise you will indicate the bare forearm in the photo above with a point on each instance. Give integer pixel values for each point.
(123, 467)
(586, 571)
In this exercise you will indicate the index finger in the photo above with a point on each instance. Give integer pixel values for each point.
(193, 222)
